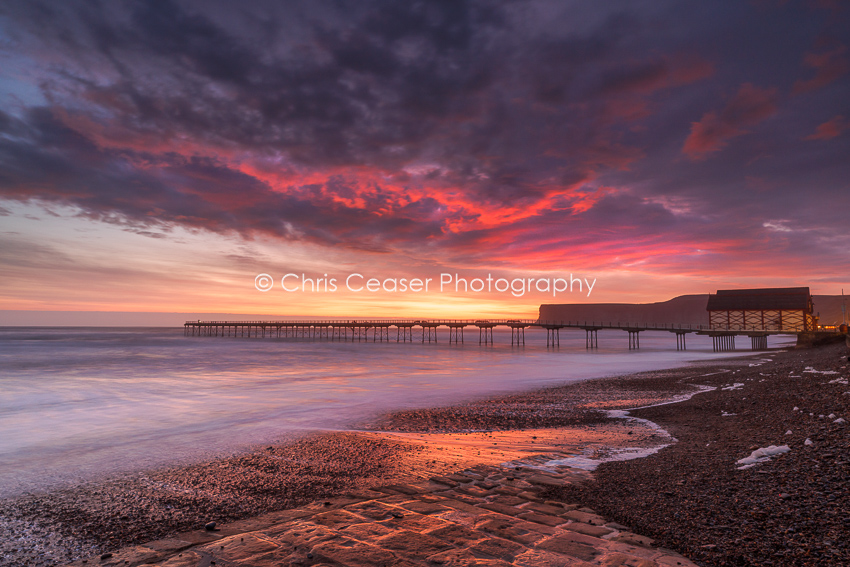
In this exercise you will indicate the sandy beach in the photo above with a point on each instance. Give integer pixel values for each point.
(690, 497)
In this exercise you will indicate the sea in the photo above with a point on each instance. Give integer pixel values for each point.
(77, 404)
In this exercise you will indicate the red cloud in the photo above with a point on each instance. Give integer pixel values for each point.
(830, 65)
(748, 107)
(829, 129)
(648, 77)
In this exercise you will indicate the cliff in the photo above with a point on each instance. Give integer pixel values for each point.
(685, 310)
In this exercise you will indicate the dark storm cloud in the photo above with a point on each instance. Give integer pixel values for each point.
(394, 125)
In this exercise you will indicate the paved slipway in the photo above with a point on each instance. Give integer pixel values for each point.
(489, 516)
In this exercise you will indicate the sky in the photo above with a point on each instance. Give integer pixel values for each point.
(162, 156)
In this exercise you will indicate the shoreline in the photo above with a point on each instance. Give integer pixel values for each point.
(697, 498)
(129, 510)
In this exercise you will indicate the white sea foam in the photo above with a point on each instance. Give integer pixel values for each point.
(587, 461)
(762, 455)
(811, 370)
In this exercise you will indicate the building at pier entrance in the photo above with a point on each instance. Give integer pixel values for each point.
(771, 309)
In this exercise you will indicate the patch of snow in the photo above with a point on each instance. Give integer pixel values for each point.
(796, 409)
(788, 432)
(808, 442)
(724, 414)
(839, 381)
(735, 386)
(839, 420)
(832, 416)
(762, 455)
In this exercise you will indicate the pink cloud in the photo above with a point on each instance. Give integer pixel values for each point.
(748, 107)
(829, 66)
(830, 129)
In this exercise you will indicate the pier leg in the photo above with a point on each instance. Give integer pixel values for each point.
(723, 343)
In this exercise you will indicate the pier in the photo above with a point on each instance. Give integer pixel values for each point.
(425, 330)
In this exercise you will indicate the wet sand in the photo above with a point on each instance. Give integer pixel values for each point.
(84, 520)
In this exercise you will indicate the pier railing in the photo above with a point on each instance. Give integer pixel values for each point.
(360, 330)
(469, 322)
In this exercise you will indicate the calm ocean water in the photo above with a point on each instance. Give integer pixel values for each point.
(76, 403)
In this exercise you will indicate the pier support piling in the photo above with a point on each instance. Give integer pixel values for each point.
(517, 336)
(455, 334)
(723, 343)
(553, 337)
(634, 340)
(485, 335)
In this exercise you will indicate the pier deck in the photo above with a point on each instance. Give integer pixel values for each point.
(379, 330)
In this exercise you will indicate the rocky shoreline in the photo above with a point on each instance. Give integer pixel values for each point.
(690, 497)
(694, 496)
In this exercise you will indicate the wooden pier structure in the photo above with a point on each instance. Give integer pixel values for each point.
(425, 330)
